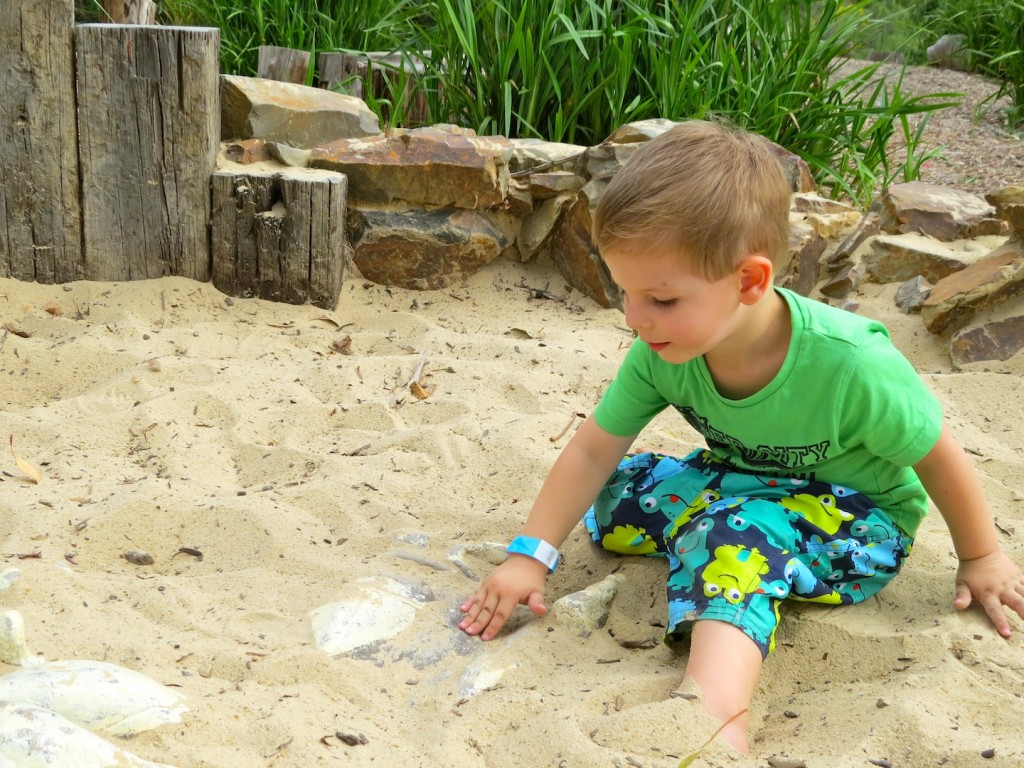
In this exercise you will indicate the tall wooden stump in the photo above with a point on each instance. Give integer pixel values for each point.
(40, 231)
(149, 128)
(280, 236)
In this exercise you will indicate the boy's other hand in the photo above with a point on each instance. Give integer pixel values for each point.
(517, 581)
(993, 580)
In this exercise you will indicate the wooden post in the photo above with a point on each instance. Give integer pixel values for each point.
(341, 72)
(40, 228)
(149, 130)
(280, 236)
(347, 73)
(287, 65)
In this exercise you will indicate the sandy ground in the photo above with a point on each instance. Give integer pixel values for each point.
(163, 415)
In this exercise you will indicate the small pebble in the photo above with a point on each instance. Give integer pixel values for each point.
(352, 739)
(138, 557)
(881, 703)
(988, 754)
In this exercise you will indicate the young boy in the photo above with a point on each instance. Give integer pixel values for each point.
(823, 442)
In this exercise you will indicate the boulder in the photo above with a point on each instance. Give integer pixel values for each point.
(842, 257)
(801, 270)
(988, 282)
(911, 295)
(245, 151)
(425, 250)
(940, 212)
(571, 249)
(950, 51)
(997, 340)
(843, 284)
(423, 167)
(895, 258)
(536, 154)
(291, 114)
(538, 225)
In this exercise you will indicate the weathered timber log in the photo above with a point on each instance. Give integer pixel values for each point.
(288, 65)
(383, 74)
(40, 229)
(280, 236)
(149, 130)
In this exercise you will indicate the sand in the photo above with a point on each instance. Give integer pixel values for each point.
(163, 415)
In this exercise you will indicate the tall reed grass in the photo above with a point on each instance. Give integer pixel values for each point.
(575, 70)
(995, 38)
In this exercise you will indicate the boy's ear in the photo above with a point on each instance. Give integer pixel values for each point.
(755, 276)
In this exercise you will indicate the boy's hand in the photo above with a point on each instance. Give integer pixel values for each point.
(519, 580)
(994, 581)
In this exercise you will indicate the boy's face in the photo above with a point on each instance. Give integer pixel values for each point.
(677, 312)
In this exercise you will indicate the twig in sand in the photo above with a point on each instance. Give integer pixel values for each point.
(278, 749)
(414, 379)
(413, 384)
(572, 420)
(542, 293)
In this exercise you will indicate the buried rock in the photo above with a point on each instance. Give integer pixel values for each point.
(587, 610)
(370, 611)
(33, 736)
(96, 695)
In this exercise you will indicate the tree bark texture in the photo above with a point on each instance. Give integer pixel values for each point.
(40, 230)
(149, 130)
(286, 65)
(280, 236)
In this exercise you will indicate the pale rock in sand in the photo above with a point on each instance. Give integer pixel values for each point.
(13, 647)
(8, 577)
(96, 695)
(33, 737)
(587, 610)
(370, 611)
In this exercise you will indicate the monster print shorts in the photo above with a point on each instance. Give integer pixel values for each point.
(738, 544)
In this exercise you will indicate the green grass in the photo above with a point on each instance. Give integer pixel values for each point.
(309, 25)
(576, 70)
(995, 39)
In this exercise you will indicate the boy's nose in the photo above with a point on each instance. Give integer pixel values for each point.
(635, 316)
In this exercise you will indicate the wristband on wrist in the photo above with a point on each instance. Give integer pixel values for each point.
(538, 549)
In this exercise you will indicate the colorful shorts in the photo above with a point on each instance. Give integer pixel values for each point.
(738, 544)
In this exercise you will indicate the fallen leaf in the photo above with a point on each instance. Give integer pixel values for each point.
(418, 391)
(24, 466)
(330, 320)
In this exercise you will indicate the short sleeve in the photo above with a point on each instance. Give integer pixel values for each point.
(632, 399)
(887, 407)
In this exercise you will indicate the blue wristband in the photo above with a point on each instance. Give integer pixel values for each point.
(538, 549)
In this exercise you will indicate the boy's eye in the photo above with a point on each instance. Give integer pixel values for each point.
(662, 302)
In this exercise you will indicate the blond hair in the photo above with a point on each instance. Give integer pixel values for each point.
(714, 193)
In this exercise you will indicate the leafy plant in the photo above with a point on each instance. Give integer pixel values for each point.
(576, 70)
(309, 25)
(994, 31)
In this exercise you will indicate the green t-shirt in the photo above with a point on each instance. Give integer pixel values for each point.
(846, 408)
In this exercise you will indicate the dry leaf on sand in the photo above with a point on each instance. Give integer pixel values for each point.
(24, 466)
